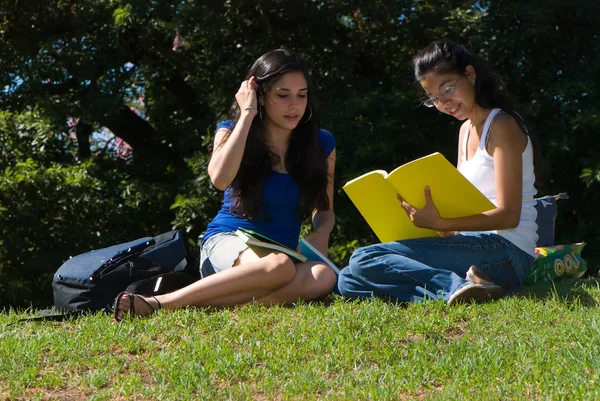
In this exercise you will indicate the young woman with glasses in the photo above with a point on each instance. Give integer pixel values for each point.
(479, 257)
(276, 166)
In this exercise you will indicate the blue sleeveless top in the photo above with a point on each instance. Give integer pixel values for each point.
(280, 201)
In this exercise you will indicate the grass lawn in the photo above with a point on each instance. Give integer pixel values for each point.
(538, 344)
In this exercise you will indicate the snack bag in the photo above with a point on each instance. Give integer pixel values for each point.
(553, 263)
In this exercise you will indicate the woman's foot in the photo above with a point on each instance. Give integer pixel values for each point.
(478, 276)
(134, 304)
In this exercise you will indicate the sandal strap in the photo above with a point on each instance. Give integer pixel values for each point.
(132, 300)
(131, 304)
(146, 302)
(158, 302)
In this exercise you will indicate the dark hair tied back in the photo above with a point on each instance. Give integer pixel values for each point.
(446, 57)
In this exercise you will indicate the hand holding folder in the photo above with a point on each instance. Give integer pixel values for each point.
(375, 196)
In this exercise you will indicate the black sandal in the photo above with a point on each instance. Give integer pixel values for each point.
(133, 296)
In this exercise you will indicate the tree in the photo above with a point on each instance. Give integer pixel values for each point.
(158, 75)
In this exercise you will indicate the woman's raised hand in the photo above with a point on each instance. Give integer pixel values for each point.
(246, 96)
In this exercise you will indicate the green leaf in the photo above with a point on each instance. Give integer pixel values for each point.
(122, 15)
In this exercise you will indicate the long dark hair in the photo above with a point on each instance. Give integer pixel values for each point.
(305, 161)
(446, 57)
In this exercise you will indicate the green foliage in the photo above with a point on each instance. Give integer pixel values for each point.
(50, 213)
(122, 15)
(29, 135)
(160, 75)
(197, 201)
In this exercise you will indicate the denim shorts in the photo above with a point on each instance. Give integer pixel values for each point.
(220, 252)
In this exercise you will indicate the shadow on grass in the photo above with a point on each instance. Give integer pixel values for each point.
(568, 291)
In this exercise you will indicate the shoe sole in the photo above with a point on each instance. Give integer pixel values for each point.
(477, 293)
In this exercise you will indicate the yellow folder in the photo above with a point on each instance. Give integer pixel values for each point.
(374, 195)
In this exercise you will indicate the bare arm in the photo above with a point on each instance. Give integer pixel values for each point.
(461, 137)
(324, 220)
(507, 143)
(229, 146)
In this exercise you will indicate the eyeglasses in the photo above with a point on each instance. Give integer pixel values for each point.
(432, 101)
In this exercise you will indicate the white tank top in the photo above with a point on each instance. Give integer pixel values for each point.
(480, 171)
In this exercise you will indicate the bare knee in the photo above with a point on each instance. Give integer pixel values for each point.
(280, 267)
(324, 281)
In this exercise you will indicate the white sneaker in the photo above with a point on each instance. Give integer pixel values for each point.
(477, 293)
(478, 276)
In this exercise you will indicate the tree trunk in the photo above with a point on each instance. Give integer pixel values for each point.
(83, 132)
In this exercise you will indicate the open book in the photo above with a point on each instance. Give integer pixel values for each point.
(307, 250)
(253, 238)
(312, 253)
(374, 195)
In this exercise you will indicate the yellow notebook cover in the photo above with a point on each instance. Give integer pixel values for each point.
(374, 195)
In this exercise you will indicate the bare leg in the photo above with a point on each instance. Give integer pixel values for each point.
(238, 285)
(312, 281)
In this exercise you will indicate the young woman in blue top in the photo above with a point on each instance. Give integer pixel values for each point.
(276, 167)
(477, 257)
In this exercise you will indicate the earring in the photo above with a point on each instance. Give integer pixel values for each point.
(259, 111)
(473, 81)
(309, 117)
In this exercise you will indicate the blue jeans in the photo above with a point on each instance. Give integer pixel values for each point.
(431, 268)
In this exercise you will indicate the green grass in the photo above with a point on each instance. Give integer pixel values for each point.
(538, 344)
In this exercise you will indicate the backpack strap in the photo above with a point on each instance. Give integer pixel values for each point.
(162, 284)
(49, 315)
